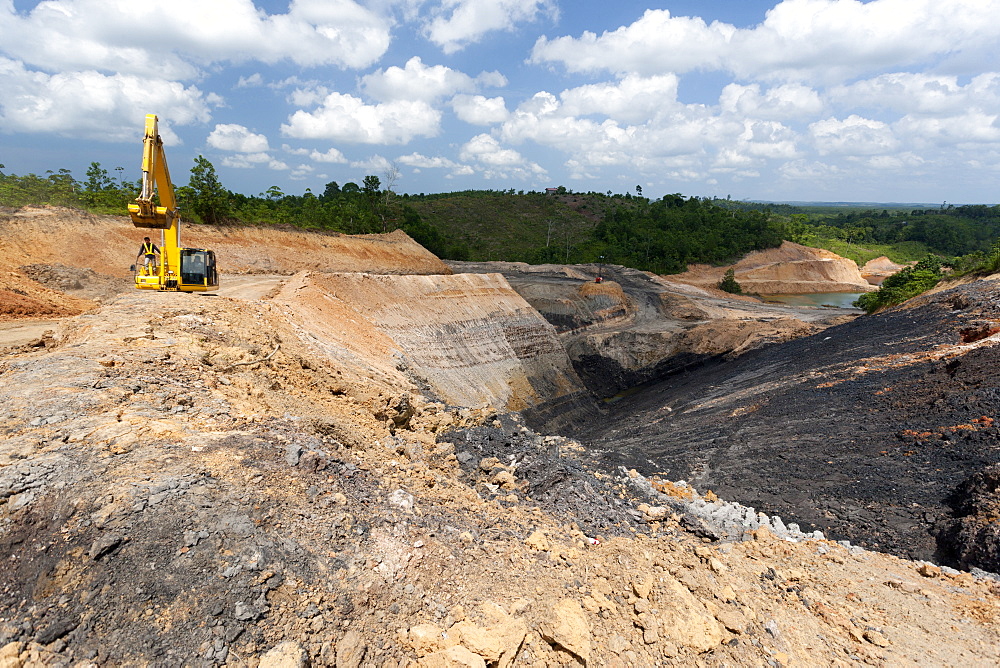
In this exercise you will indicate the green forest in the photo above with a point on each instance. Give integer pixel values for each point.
(662, 234)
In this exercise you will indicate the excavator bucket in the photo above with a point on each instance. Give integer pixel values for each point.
(144, 214)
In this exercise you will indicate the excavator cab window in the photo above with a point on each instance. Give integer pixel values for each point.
(198, 268)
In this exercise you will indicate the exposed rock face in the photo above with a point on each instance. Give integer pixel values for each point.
(467, 339)
(578, 304)
(862, 431)
(565, 626)
(790, 269)
(635, 326)
(974, 538)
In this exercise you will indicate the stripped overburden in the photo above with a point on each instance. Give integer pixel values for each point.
(868, 430)
(324, 466)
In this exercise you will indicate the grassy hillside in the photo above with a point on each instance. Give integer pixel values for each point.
(502, 225)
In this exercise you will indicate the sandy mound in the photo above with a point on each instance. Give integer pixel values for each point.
(790, 269)
(21, 297)
(879, 268)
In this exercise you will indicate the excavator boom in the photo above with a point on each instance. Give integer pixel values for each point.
(155, 179)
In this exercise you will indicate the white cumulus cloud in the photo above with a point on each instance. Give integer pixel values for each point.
(633, 99)
(330, 155)
(345, 118)
(480, 110)
(788, 101)
(922, 93)
(799, 40)
(89, 104)
(176, 40)
(426, 162)
(497, 161)
(972, 130)
(458, 23)
(419, 162)
(853, 136)
(416, 81)
(657, 42)
(233, 137)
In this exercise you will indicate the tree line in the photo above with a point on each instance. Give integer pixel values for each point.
(947, 231)
(661, 235)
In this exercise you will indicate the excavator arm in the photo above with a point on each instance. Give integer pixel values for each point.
(155, 179)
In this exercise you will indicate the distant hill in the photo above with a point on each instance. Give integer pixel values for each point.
(662, 235)
(501, 225)
(854, 205)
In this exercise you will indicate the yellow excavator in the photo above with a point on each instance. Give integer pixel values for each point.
(179, 269)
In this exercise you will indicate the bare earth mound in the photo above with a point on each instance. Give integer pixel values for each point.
(881, 267)
(790, 269)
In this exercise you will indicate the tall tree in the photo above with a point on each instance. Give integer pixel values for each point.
(98, 178)
(209, 200)
(331, 191)
(372, 189)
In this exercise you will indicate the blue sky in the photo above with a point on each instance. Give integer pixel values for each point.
(834, 100)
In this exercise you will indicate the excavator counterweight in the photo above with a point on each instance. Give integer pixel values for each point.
(180, 269)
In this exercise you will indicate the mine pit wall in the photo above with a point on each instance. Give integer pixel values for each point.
(807, 276)
(609, 371)
(576, 305)
(465, 339)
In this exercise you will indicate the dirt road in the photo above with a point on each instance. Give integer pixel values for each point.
(14, 333)
(253, 286)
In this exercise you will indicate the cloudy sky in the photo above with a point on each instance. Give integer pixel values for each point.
(833, 100)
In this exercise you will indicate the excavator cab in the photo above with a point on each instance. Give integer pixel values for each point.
(180, 269)
(198, 269)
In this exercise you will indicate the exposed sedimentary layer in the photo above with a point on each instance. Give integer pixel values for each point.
(633, 326)
(469, 339)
